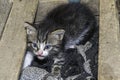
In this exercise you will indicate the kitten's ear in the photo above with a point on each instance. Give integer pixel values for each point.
(31, 32)
(29, 28)
(58, 34)
(56, 37)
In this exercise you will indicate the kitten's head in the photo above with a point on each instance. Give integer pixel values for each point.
(44, 44)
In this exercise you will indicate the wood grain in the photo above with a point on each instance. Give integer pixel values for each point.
(109, 49)
(5, 7)
(13, 41)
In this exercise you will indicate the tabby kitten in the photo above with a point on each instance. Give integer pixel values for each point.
(44, 47)
(57, 36)
(68, 24)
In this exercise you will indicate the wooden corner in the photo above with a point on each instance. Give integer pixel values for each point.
(13, 41)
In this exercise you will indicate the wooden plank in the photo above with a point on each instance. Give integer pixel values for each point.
(118, 8)
(45, 6)
(5, 7)
(13, 41)
(118, 5)
(53, 0)
(109, 49)
(93, 5)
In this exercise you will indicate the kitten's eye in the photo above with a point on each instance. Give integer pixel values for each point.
(47, 47)
(34, 45)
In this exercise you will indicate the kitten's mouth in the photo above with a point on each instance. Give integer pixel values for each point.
(40, 57)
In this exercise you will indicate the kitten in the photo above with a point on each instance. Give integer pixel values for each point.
(51, 46)
(68, 24)
(57, 36)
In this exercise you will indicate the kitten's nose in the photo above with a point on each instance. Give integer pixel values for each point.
(40, 52)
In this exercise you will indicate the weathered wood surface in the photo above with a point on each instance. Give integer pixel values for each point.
(118, 8)
(93, 5)
(5, 7)
(45, 6)
(109, 46)
(118, 5)
(13, 41)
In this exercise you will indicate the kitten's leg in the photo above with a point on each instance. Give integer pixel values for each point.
(82, 49)
(56, 68)
(28, 59)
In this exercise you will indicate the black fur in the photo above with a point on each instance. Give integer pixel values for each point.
(76, 19)
(79, 24)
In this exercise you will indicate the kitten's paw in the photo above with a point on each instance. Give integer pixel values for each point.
(87, 67)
